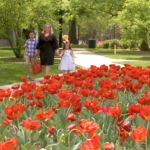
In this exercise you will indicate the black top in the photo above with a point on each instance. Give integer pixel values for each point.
(47, 49)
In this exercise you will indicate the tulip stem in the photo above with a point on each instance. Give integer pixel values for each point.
(147, 130)
(90, 115)
(68, 109)
(58, 132)
(43, 124)
(60, 139)
(139, 147)
(70, 133)
(30, 138)
(53, 99)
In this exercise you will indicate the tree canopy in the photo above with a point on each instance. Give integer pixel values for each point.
(91, 17)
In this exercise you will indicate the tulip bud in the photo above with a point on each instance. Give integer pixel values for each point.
(51, 129)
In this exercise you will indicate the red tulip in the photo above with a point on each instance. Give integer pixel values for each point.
(139, 134)
(15, 93)
(47, 76)
(24, 79)
(5, 93)
(39, 95)
(14, 111)
(44, 115)
(145, 112)
(124, 125)
(32, 102)
(108, 146)
(29, 124)
(51, 129)
(7, 121)
(9, 145)
(92, 105)
(71, 117)
(16, 86)
(91, 144)
(39, 104)
(88, 126)
(115, 112)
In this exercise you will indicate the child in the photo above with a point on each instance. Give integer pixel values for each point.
(67, 62)
(29, 53)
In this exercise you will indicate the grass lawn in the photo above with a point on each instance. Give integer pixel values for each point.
(12, 69)
(142, 63)
(141, 58)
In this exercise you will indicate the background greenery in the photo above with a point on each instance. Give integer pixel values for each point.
(80, 19)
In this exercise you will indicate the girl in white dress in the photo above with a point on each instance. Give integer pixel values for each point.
(67, 61)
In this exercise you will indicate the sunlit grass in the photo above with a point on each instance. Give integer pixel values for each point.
(12, 69)
(143, 63)
(122, 54)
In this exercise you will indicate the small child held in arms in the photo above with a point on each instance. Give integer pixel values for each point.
(29, 53)
(67, 61)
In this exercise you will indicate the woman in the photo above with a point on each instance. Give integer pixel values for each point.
(47, 45)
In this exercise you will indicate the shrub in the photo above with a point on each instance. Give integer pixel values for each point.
(105, 44)
(99, 45)
(133, 44)
(114, 42)
(124, 44)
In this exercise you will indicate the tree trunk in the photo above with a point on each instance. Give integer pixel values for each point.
(60, 28)
(144, 46)
(16, 43)
(72, 32)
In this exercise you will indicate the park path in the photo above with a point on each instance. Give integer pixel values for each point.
(84, 59)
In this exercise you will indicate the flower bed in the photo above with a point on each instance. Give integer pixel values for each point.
(104, 107)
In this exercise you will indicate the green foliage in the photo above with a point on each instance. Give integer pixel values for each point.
(111, 43)
(106, 44)
(100, 45)
(124, 44)
(133, 44)
(134, 20)
(114, 42)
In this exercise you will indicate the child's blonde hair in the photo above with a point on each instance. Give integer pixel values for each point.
(69, 45)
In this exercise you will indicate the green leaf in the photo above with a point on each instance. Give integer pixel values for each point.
(127, 145)
(26, 132)
(49, 142)
(25, 115)
(109, 133)
(75, 147)
(118, 147)
(60, 147)
(34, 136)
(27, 145)
(20, 140)
(23, 148)
(148, 146)
(128, 120)
(63, 120)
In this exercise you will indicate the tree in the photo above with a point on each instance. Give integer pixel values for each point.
(22, 15)
(12, 18)
(134, 21)
(78, 9)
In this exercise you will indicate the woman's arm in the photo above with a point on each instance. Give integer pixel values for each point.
(38, 46)
(55, 44)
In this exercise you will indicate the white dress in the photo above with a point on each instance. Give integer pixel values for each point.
(67, 60)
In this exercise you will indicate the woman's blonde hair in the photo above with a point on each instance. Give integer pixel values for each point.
(51, 29)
